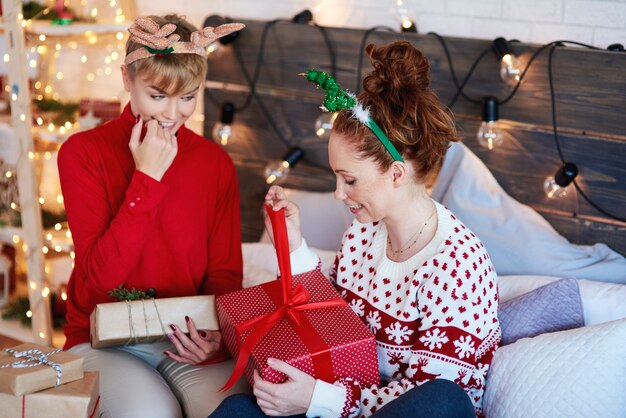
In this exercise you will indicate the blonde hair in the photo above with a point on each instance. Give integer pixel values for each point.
(174, 73)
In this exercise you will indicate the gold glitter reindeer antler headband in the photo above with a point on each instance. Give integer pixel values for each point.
(158, 41)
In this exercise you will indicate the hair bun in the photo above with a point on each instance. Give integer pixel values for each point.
(398, 68)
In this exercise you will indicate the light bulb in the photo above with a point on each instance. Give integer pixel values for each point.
(408, 25)
(276, 171)
(223, 131)
(559, 185)
(213, 47)
(510, 67)
(324, 124)
(490, 133)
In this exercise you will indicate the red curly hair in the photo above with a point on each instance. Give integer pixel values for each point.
(401, 102)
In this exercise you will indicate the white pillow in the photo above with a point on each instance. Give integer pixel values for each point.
(602, 302)
(575, 373)
(323, 219)
(260, 264)
(519, 240)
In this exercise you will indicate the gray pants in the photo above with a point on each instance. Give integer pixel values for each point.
(140, 381)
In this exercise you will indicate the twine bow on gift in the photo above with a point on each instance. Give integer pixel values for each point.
(292, 304)
(33, 358)
(134, 338)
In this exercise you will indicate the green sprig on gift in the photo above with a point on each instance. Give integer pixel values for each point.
(121, 294)
(336, 98)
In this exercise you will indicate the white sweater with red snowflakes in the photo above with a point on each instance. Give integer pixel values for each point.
(433, 316)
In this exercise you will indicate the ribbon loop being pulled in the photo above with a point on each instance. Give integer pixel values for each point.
(293, 302)
(33, 358)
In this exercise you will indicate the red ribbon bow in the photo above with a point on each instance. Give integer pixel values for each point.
(291, 305)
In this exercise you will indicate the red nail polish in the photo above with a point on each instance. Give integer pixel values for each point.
(173, 327)
(187, 318)
(202, 334)
(166, 353)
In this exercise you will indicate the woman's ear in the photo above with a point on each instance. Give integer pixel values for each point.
(399, 173)
(125, 77)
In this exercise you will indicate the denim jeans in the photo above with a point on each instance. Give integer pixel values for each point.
(437, 398)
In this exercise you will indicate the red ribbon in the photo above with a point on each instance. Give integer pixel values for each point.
(290, 306)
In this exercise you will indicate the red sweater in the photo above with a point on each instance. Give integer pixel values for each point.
(180, 236)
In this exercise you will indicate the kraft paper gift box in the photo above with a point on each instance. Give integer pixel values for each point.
(143, 321)
(32, 372)
(301, 320)
(78, 399)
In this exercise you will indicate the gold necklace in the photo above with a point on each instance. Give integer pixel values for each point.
(406, 248)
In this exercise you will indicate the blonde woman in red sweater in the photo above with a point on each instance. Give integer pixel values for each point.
(152, 205)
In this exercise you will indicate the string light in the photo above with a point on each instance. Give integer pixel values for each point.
(406, 23)
(324, 124)
(489, 133)
(510, 68)
(304, 17)
(276, 171)
(223, 131)
(408, 26)
(559, 185)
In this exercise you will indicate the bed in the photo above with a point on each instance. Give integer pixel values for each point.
(561, 265)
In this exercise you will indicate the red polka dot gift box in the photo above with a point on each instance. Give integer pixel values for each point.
(301, 320)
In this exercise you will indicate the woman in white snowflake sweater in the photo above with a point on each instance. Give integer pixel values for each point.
(421, 281)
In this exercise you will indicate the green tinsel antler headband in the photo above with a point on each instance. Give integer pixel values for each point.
(337, 99)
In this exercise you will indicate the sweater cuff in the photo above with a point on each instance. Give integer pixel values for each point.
(327, 401)
(144, 193)
(303, 259)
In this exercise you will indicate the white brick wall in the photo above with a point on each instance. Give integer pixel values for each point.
(599, 22)
(533, 10)
(609, 14)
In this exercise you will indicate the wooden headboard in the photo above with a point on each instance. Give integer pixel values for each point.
(590, 101)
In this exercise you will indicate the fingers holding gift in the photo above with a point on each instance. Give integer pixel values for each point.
(208, 341)
(188, 350)
(288, 398)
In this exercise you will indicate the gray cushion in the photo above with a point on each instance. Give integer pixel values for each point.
(556, 306)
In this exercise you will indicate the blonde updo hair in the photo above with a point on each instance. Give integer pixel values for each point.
(398, 95)
(174, 73)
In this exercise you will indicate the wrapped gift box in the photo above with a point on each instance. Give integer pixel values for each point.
(148, 320)
(78, 399)
(17, 377)
(290, 319)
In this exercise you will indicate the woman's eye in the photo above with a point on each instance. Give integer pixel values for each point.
(350, 182)
(157, 97)
(188, 98)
